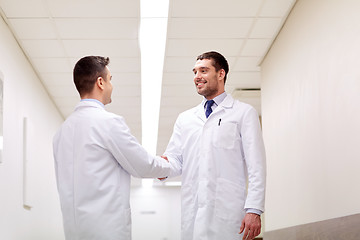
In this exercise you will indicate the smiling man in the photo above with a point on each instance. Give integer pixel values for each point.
(218, 148)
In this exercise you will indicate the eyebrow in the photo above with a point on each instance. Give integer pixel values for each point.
(201, 68)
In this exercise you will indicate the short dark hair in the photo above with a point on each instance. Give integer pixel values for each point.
(218, 61)
(86, 72)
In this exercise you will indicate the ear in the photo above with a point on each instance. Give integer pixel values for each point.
(100, 83)
(222, 74)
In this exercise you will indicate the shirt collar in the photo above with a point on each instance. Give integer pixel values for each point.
(217, 100)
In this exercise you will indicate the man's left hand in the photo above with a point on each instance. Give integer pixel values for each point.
(251, 226)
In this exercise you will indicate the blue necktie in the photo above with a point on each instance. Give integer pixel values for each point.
(208, 111)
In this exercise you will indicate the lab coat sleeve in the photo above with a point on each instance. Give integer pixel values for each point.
(254, 152)
(131, 155)
(173, 151)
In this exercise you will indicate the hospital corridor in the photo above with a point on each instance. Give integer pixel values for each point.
(294, 63)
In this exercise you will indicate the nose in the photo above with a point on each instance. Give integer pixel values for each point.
(197, 76)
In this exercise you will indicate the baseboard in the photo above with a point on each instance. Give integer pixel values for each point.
(343, 228)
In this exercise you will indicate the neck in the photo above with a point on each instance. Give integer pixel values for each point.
(214, 95)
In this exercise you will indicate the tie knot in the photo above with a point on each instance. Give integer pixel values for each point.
(208, 111)
(210, 103)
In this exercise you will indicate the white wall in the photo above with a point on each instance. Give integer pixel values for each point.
(311, 114)
(24, 96)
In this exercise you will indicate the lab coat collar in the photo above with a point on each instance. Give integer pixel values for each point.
(92, 100)
(82, 104)
(227, 103)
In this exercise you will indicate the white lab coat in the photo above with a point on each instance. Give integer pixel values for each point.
(95, 154)
(217, 157)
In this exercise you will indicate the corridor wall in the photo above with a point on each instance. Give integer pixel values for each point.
(311, 115)
(33, 183)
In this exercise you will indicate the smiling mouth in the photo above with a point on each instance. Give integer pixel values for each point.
(200, 84)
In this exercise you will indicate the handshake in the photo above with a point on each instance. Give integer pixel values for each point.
(164, 157)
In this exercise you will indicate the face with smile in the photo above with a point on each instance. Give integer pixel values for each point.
(209, 82)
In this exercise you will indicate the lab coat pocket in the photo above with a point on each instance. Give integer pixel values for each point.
(230, 199)
(225, 135)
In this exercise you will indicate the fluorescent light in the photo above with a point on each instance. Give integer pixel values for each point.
(153, 27)
(147, 183)
(154, 8)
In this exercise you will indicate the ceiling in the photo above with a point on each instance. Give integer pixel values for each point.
(54, 34)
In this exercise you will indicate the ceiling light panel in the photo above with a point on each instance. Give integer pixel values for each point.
(24, 9)
(57, 78)
(97, 28)
(179, 64)
(91, 9)
(63, 91)
(154, 9)
(244, 79)
(125, 65)
(124, 79)
(52, 65)
(244, 83)
(266, 28)
(203, 28)
(205, 8)
(111, 48)
(33, 28)
(276, 8)
(118, 64)
(179, 78)
(246, 64)
(256, 47)
(67, 101)
(194, 47)
(43, 48)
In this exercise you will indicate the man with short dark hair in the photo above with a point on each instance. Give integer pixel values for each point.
(218, 149)
(95, 154)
